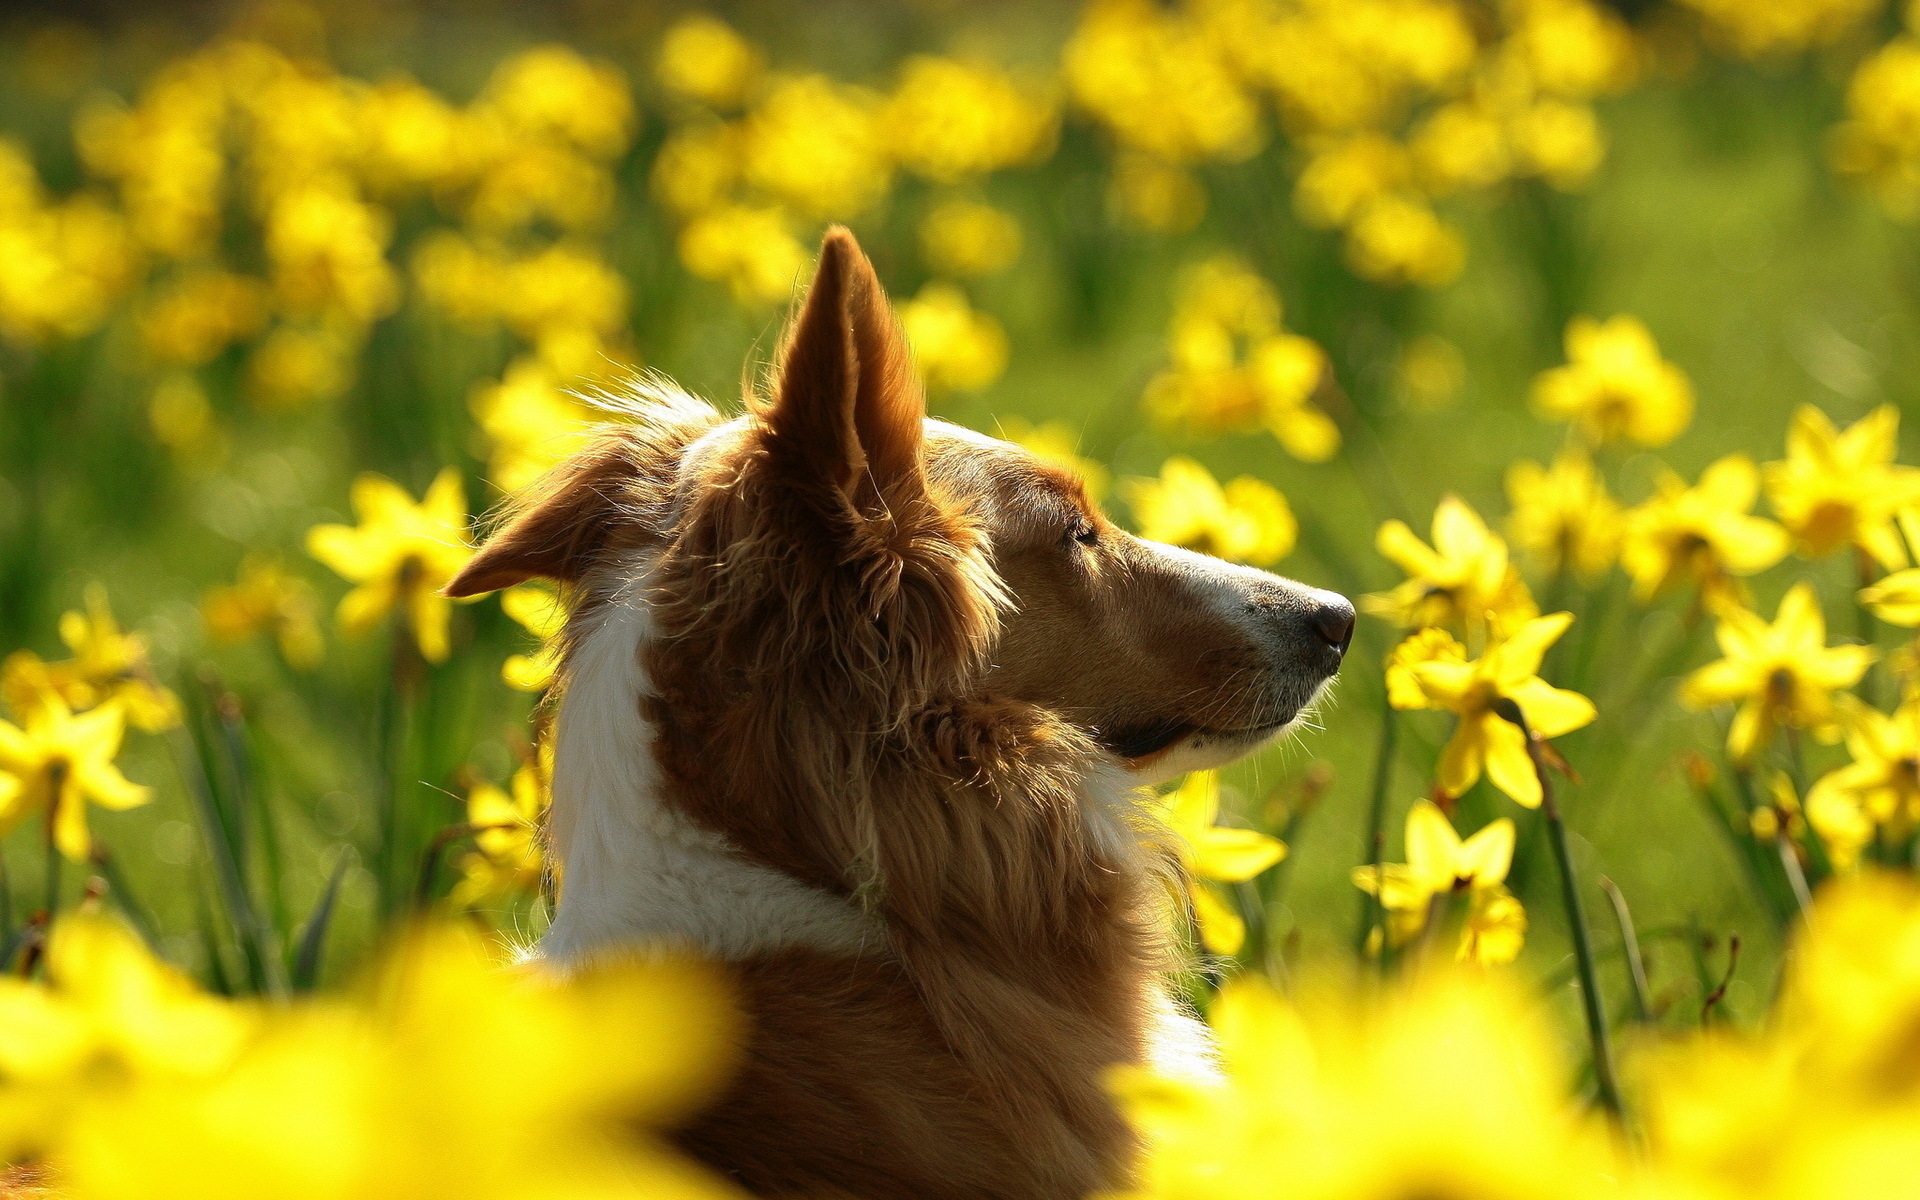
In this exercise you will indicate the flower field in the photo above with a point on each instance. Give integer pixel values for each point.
(1571, 339)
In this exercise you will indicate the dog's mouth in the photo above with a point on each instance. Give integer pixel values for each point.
(1151, 738)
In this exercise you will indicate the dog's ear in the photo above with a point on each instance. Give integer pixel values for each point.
(849, 407)
(557, 530)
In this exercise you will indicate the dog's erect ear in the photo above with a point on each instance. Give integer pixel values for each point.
(567, 519)
(849, 406)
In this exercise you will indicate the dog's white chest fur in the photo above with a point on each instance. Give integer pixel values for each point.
(636, 869)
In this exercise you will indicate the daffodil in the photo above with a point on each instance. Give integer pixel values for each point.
(539, 612)
(1703, 533)
(954, 344)
(1246, 521)
(1563, 515)
(1431, 644)
(58, 762)
(1839, 488)
(1615, 385)
(266, 598)
(1477, 691)
(1440, 864)
(107, 666)
(399, 556)
(1460, 581)
(1896, 598)
(1781, 675)
(506, 823)
(1214, 852)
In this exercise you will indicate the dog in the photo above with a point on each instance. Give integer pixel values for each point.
(858, 703)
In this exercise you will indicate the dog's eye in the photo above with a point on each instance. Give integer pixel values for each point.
(1083, 531)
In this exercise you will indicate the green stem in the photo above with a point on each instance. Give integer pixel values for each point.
(1591, 1002)
(1370, 910)
(1630, 947)
(1869, 628)
(53, 867)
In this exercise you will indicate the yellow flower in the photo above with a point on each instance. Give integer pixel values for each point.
(56, 764)
(697, 167)
(399, 556)
(1615, 385)
(294, 366)
(506, 824)
(1703, 533)
(266, 598)
(1880, 139)
(1214, 852)
(1431, 644)
(1560, 142)
(751, 250)
(1564, 515)
(1440, 864)
(1460, 581)
(1246, 521)
(1475, 692)
(1781, 674)
(1879, 789)
(815, 146)
(1895, 599)
(1398, 240)
(107, 666)
(445, 1075)
(531, 424)
(538, 611)
(702, 57)
(1328, 1096)
(199, 313)
(1341, 179)
(552, 92)
(954, 345)
(1153, 77)
(1783, 26)
(1836, 488)
(968, 238)
(1234, 367)
(949, 120)
(1058, 443)
(1146, 193)
(328, 253)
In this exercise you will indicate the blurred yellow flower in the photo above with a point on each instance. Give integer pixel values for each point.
(698, 166)
(1783, 674)
(539, 612)
(1429, 373)
(1615, 385)
(751, 250)
(399, 557)
(1896, 598)
(1246, 521)
(553, 92)
(1702, 533)
(1560, 142)
(1213, 852)
(702, 57)
(199, 313)
(1342, 178)
(182, 420)
(968, 238)
(1153, 76)
(328, 254)
(267, 598)
(1235, 368)
(1477, 691)
(1563, 514)
(58, 762)
(1396, 239)
(1880, 139)
(1782, 26)
(1147, 193)
(1840, 488)
(1878, 790)
(1058, 443)
(295, 366)
(529, 422)
(954, 345)
(445, 1075)
(1464, 580)
(1321, 1097)
(1575, 49)
(949, 120)
(507, 861)
(1461, 146)
(816, 146)
(1439, 864)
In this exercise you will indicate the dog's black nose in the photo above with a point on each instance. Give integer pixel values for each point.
(1332, 618)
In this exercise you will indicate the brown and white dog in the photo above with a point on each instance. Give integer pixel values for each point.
(856, 702)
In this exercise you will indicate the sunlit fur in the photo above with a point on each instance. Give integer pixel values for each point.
(856, 702)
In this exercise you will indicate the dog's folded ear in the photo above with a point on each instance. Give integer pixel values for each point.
(557, 530)
(848, 410)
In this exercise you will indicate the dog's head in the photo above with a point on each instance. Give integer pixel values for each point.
(834, 547)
